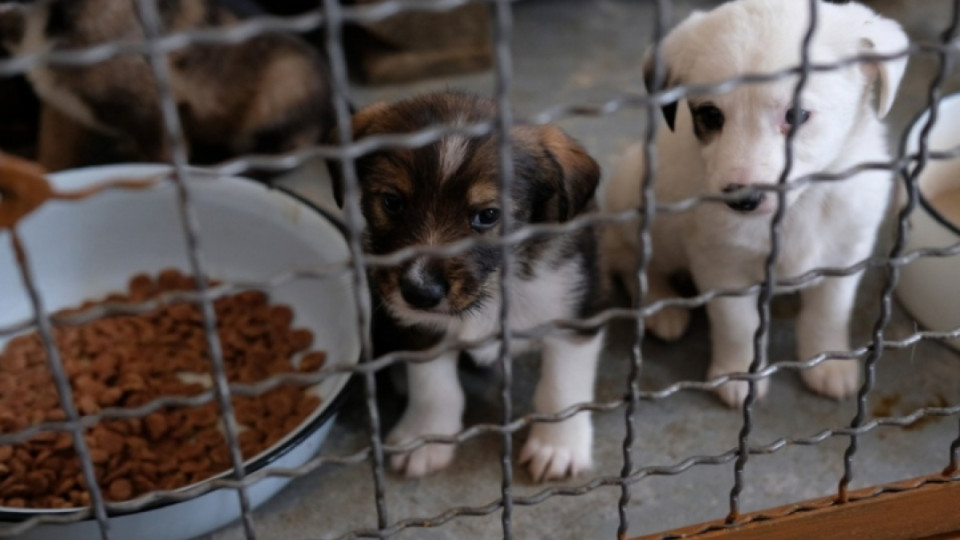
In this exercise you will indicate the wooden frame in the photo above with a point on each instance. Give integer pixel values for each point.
(926, 507)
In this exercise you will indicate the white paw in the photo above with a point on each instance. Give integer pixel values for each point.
(557, 450)
(734, 393)
(669, 324)
(834, 378)
(428, 458)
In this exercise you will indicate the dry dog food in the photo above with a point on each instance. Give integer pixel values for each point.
(127, 361)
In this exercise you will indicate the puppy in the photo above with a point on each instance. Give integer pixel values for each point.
(448, 191)
(267, 94)
(724, 143)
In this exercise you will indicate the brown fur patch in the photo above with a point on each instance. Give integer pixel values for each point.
(483, 194)
(266, 94)
(366, 118)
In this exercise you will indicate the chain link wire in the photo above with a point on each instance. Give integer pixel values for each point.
(765, 297)
(351, 194)
(647, 214)
(502, 17)
(331, 16)
(893, 272)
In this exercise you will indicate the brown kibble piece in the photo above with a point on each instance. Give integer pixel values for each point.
(281, 316)
(142, 284)
(63, 441)
(120, 489)
(129, 361)
(301, 339)
(98, 455)
(110, 397)
(110, 441)
(169, 279)
(156, 426)
(313, 361)
(88, 404)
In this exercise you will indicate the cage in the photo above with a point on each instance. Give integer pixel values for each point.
(670, 460)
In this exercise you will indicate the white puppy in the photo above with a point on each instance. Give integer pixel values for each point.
(721, 143)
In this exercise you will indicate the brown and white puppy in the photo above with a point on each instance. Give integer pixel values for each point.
(266, 94)
(449, 191)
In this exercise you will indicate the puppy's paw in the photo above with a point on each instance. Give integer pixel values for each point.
(428, 458)
(834, 378)
(557, 450)
(734, 393)
(669, 324)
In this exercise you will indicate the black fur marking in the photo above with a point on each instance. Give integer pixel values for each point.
(60, 19)
(12, 26)
(670, 114)
(242, 8)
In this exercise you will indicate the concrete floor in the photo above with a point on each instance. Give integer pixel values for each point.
(573, 51)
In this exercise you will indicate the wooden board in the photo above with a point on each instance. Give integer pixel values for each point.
(920, 508)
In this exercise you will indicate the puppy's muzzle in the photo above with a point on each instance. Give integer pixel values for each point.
(422, 287)
(748, 203)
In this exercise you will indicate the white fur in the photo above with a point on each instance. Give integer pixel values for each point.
(553, 450)
(453, 150)
(826, 224)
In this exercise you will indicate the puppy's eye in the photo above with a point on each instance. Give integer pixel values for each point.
(485, 219)
(796, 116)
(709, 117)
(392, 203)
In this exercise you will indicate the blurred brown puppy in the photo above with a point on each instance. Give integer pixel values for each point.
(267, 94)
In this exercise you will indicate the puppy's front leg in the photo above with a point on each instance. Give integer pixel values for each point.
(733, 323)
(824, 326)
(569, 368)
(435, 408)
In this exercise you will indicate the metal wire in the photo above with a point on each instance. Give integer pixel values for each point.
(149, 15)
(351, 191)
(886, 299)
(530, 500)
(769, 285)
(62, 384)
(331, 16)
(478, 429)
(647, 215)
(502, 37)
(108, 309)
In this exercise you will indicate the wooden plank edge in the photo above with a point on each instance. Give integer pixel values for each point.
(917, 508)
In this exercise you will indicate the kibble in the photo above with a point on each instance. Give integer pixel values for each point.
(128, 361)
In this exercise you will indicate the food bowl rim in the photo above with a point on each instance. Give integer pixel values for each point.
(924, 202)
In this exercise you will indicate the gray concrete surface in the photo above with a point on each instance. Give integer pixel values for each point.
(575, 51)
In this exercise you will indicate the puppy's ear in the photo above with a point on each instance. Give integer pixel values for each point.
(672, 60)
(880, 35)
(573, 178)
(649, 79)
(363, 122)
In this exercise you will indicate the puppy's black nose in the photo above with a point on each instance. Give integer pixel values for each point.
(748, 203)
(423, 293)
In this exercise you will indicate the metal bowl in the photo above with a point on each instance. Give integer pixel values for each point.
(929, 288)
(86, 249)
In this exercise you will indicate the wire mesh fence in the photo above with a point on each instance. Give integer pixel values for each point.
(331, 16)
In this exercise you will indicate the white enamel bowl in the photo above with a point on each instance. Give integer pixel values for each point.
(929, 288)
(87, 249)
